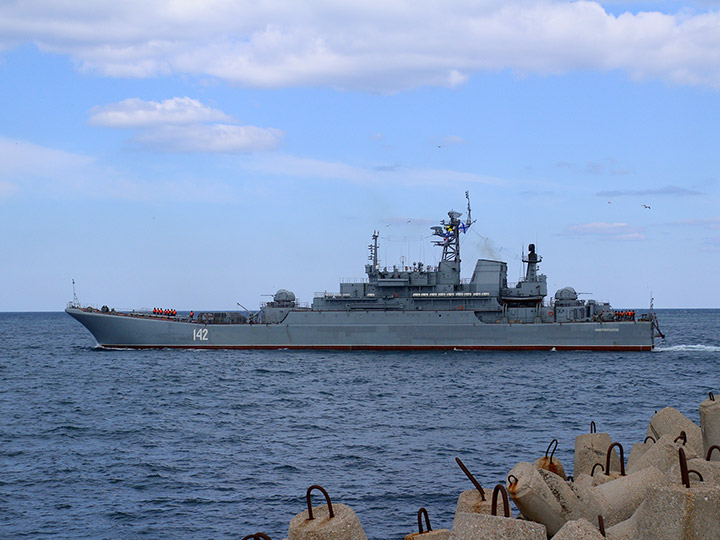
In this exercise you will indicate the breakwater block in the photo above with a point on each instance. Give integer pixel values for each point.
(551, 463)
(467, 526)
(474, 501)
(326, 522)
(427, 533)
(669, 421)
(673, 512)
(638, 450)
(578, 529)
(591, 448)
(471, 502)
(710, 425)
(663, 454)
(543, 497)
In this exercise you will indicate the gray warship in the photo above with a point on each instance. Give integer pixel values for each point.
(414, 307)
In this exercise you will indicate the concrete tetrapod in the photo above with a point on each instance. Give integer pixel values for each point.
(578, 529)
(673, 513)
(710, 425)
(709, 471)
(546, 498)
(326, 522)
(474, 501)
(638, 450)
(471, 502)
(467, 526)
(551, 463)
(663, 454)
(591, 448)
(619, 498)
(669, 421)
(428, 533)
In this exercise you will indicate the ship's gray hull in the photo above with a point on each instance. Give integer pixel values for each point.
(358, 330)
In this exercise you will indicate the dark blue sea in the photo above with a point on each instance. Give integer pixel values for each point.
(221, 444)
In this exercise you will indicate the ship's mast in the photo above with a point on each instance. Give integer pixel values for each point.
(373, 249)
(450, 233)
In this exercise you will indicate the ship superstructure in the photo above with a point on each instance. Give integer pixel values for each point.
(413, 306)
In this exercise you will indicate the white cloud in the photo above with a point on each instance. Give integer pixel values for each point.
(674, 191)
(370, 45)
(612, 231)
(295, 167)
(210, 138)
(56, 174)
(134, 112)
(184, 125)
(21, 160)
(712, 223)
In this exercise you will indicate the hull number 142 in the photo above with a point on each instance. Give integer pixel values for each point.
(200, 334)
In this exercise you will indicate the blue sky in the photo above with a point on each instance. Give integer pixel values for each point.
(194, 155)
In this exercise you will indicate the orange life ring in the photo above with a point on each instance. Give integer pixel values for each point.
(395, 295)
(460, 308)
(550, 313)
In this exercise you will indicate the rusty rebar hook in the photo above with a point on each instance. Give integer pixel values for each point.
(710, 451)
(700, 476)
(471, 478)
(514, 479)
(601, 524)
(682, 436)
(327, 499)
(711, 396)
(593, 427)
(548, 449)
(506, 502)
(651, 438)
(622, 459)
(684, 475)
(422, 512)
(592, 471)
(257, 536)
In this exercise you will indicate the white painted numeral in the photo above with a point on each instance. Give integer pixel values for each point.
(200, 334)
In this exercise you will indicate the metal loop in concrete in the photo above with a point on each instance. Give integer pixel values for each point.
(710, 451)
(548, 449)
(622, 459)
(506, 502)
(682, 436)
(327, 498)
(424, 512)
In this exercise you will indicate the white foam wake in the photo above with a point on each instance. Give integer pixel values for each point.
(690, 348)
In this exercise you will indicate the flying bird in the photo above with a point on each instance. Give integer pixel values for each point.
(646, 206)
